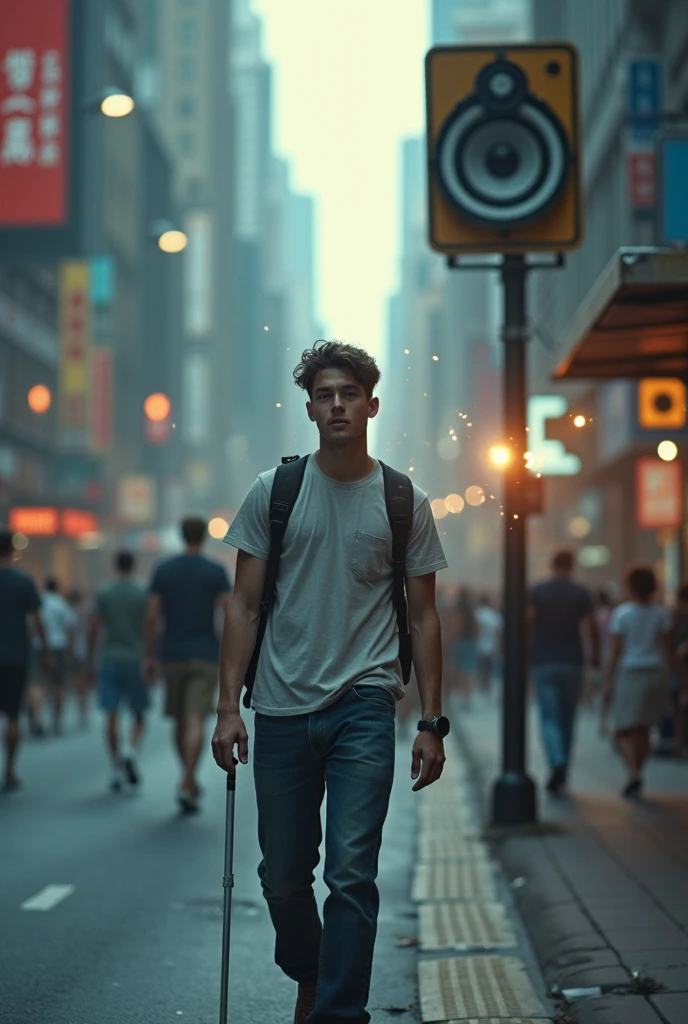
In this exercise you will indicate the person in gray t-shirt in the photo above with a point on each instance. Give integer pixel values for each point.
(327, 683)
(119, 615)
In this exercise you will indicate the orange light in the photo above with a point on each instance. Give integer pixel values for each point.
(157, 407)
(34, 522)
(76, 523)
(39, 398)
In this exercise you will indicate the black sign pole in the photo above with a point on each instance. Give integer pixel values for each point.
(514, 801)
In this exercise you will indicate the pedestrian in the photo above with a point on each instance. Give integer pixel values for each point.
(488, 645)
(466, 647)
(19, 599)
(328, 679)
(78, 673)
(637, 680)
(119, 614)
(559, 611)
(604, 606)
(60, 623)
(678, 695)
(186, 592)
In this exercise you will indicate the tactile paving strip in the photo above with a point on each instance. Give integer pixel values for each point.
(475, 987)
(447, 845)
(465, 926)
(453, 880)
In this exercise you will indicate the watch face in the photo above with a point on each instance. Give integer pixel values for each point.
(443, 726)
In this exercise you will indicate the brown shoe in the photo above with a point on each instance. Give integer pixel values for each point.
(305, 1003)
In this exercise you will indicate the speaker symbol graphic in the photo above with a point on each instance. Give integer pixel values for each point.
(503, 149)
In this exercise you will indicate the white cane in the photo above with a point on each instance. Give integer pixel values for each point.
(228, 885)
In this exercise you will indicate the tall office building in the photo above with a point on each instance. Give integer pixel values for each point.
(186, 81)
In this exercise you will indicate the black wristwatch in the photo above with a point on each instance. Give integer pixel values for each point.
(439, 725)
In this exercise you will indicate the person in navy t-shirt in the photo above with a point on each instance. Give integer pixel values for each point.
(185, 592)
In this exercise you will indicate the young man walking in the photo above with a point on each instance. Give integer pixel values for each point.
(327, 683)
(119, 615)
(186, 592)
(559, 609)
(19, 598)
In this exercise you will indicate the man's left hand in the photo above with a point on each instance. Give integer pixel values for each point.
(428, 749)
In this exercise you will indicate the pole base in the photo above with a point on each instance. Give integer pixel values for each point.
(514, 800)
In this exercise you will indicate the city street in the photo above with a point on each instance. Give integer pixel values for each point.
(138, 938)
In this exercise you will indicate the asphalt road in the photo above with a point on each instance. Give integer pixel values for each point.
(138, 937)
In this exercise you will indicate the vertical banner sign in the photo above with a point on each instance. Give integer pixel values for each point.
(74, 352)
(100, 420)
(34, 101)
(645, 96)
(658, 494)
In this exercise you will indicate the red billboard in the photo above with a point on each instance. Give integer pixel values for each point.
(658, 494)
(34, 107)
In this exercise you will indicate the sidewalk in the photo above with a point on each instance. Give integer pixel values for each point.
(602, 884)
(476, 965)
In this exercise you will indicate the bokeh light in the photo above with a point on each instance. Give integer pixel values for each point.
(667, 450)
(40, 399)
(579, 421)
(172, 241)
(475, 495)
(454, 503)
(500, 455)
(439, 508)
(579, 527)
(157, 407)
(118, 104)
(217, 528)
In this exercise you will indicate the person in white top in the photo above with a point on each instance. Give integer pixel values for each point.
(490, 626)
(60, 622)
(636, 688)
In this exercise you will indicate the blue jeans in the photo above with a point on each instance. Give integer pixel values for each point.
(349, 748)
(558, 687)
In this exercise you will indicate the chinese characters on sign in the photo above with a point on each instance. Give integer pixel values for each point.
(33, 113)
(75, 339)
(644, 113)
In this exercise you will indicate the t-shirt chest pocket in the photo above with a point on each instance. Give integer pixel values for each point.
(368, 555)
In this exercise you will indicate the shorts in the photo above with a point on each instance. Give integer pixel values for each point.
(12, 685)
(121, 681)
(191, 688)
(57, 676)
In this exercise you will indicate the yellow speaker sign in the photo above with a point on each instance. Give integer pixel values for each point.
(662, 403)
(504, 158)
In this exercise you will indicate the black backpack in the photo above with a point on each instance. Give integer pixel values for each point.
(285, 491)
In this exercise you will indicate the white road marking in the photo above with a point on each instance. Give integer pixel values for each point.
(48, 897)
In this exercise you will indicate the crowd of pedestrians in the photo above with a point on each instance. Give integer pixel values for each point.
(116, 647)
(625, 659)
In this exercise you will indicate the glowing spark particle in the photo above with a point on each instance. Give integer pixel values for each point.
(407, 351)
(266, 328)
(436, 359)
(278, 405)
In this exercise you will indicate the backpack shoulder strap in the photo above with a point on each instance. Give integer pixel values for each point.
(286, 487)
(399, 502)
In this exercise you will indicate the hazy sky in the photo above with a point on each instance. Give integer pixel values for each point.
(348, 87)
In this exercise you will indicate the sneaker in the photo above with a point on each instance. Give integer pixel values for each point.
(131, 771)
(557, 780)
(189, 804)
(633, 789)
(305, 1003)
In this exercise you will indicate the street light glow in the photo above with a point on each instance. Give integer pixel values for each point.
(579, 421)
(217, 528)
(157, 407)
(667, 450)
(117, 104)
(500, 455)
(39, 399)
(172, 241)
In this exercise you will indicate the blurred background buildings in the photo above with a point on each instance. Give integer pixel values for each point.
(93, 312)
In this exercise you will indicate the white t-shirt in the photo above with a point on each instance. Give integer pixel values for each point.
(489, 629)
(333, 624)
(58, 618)
(642, 627)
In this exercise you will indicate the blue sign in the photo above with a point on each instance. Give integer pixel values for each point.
(672, 189)
(645, 96)
(102, 280)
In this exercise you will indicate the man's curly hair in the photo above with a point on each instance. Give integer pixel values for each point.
(327, 354)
